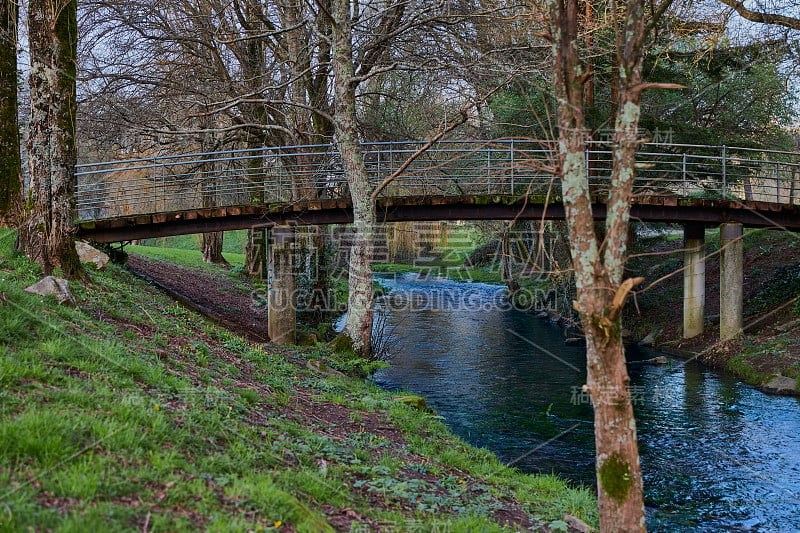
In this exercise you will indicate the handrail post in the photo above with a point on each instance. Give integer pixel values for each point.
(586, 161)
(724, 171)
(155, 186)
(279, 173)
(512, 167)
(378, 150)
(488, 170)
(683, 174)
(777, 181)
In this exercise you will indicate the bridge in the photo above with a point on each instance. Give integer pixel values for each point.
(698, 186)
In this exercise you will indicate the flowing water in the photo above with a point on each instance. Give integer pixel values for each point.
(716, 454)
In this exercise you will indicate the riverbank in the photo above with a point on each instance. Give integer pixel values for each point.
(447, 270)
(767, 355)
(132, 412)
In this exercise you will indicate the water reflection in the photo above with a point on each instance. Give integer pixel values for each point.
(717, 455)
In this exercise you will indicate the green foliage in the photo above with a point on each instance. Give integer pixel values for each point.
(525, 109)
(734, 95)
(348, 362)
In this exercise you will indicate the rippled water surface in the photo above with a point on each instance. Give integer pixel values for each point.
(716, 454)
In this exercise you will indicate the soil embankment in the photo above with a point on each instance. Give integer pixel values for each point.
(770, 345)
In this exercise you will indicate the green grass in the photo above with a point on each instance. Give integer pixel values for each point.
(187, 257)
(233, 242)
(131, 412)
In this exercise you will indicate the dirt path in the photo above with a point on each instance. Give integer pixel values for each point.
(217, 297)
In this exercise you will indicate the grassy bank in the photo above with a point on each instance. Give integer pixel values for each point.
(131, 413)
(187, 256)
(445, 270)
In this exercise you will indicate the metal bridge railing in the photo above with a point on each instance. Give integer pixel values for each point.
(289, 174)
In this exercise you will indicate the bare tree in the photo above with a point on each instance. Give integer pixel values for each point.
(366, 43)
(47, 236)
(598, 266)
(10, 166)
(358, 326)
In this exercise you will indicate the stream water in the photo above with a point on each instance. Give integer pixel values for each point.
(716, 454)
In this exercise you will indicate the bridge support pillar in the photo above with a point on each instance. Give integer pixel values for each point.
(281, 286)
(731, 280)
(694, 280)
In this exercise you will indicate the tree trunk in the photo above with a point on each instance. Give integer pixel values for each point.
(49, 232)
(358, 325)
(211, 247)
(10, 166)
(598, 272)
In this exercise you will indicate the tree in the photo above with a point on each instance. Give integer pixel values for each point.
(48, 233)
(10, 166)
(358, 326)
(600, 289)
(385, 35)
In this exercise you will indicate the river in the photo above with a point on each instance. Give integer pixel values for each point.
(716, 454)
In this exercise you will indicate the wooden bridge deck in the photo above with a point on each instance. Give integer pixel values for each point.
(644, 208)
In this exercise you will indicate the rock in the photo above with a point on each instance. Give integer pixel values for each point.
(412, 400)
(660, 360)
(56, 286)
(322, 368)
(306, 338)
(781, 385)
(553, 317)
(541, 315)
(576, 524)
(649, 340)
(88, 254)
(341, 343)
(626, 333)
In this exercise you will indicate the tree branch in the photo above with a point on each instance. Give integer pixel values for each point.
(762, 17)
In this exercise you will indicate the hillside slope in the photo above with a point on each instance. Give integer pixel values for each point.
(771, 342)
(132, 413)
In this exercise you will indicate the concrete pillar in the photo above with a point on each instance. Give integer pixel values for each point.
(731, 280)
(694, 280)
(280, 284)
